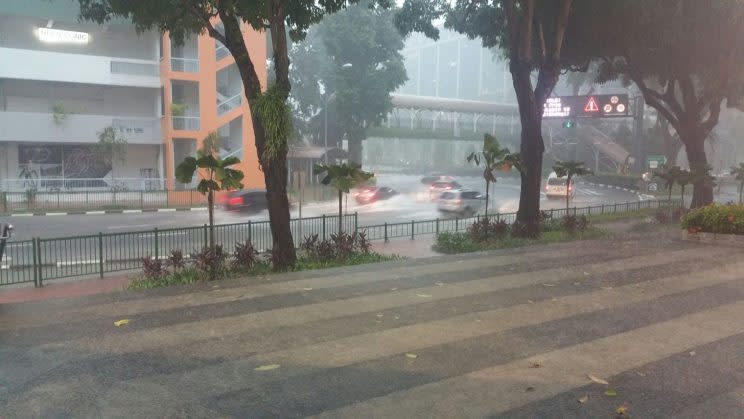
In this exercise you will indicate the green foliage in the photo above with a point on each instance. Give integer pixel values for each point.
(178, 109)
(365, 38)
(614, 179)
(570, 169)
(112, 146)
(60, 112)
(220, 175)
(343, 176)
(716, 218)
(449, 242)
(272, 109)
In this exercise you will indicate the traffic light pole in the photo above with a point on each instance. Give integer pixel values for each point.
(639, 151)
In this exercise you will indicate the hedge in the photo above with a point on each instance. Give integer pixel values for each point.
(715, 218)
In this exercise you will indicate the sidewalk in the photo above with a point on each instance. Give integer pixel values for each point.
(419, 248)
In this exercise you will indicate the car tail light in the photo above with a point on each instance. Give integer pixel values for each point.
(356, 193)
(448, 187)
(431, 187)
(236, 200)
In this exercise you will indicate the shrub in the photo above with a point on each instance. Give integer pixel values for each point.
(153, 268)
(575, 224)
(487, 229)
(246, 256)
(716, 218)
(176, 260)
(343, 244)
(209, 261)
(449, 242)
(362, 243)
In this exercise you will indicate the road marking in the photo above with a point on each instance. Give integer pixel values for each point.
(55, 213)
(199, 209)
(78, 262)
(131, 211)
(22, 214)
(130, 226)
(166, 210)
(94, 212)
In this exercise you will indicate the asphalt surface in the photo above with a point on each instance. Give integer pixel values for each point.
(507, 334)
(411, 204)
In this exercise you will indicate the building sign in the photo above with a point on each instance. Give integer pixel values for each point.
(59, 36)
(592, 106)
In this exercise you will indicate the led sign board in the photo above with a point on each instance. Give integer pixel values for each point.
(59, 36)
(592, 106)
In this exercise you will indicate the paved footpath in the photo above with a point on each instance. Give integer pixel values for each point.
(512, 334)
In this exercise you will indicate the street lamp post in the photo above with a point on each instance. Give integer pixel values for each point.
(328, 100)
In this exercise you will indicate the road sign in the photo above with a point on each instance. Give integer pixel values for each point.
(655, 161)
(591, 106)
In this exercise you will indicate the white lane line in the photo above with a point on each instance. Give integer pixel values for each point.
(94, 212)
(166, 210)
(23, 214)
(50, 214)
(199, 209)
(131, 211)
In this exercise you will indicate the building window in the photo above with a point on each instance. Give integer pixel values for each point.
(162, 101)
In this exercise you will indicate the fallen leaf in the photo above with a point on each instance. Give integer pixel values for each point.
(530, 301)
(606, 288)
(554, 299)
(393, 289)
(529, 389)
(378, 321)
(577, 283)
(397, 318)
(621, 410)
(583, 399)
(307, 289)
(548, 285)
(215, 286)
(535, 364)
(380, 315)
(268, 367)
(640, 374)
(439, 284)
(693, 353)
(121, 322)
(610, 393)
(423, 295)
(411, 355)
(478, 320)
(586, 273)
(597, 379)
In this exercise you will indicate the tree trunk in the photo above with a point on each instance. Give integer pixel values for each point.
(682, 195)
(702, 192)
(275, 171)
(488, 188)
(210, 208)
(340, 209)
(568, 191)
(531, 151)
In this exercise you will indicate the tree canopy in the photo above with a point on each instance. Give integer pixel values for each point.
(353, 74)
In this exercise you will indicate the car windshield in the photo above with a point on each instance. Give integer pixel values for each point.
(448, 195)
(554, 181)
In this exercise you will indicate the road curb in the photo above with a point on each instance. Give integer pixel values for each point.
(641, 197)
(103, 212)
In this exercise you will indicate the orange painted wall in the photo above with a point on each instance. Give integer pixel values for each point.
(206, 78)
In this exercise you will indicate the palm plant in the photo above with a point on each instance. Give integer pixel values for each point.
(219, 175)
(738, 173)
(669, 176)
(342, 177)
(493, 157)
(569, 169)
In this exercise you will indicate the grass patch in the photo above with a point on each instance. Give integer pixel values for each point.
(615, 216)
(191, 275)
(462, 243)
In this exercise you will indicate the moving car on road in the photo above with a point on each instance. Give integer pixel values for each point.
(246, 200)
(461, 202)
(434, 177)
(555, 187)
(370, 194)
(436, 188)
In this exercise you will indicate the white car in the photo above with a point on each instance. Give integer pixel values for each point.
(461, 202)
(555, 187)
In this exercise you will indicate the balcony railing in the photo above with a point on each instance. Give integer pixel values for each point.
(229, 104)
(186, 65)
(220, 51)
(186, 123)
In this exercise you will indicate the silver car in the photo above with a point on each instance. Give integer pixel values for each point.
(461, 202)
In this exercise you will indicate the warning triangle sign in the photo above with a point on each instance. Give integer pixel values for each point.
(591, 105)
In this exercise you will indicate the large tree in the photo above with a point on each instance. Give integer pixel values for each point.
(347, 67)
(269, 111)
(531, 34)
(684, 56)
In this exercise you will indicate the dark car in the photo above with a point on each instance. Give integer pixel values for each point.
(371, 194)
(248, 200)
(434, 177)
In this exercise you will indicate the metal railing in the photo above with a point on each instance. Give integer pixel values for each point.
(229, 104)
(90, 200)
(186, 123)
(186, 65)
(45, 259)
(69, 185)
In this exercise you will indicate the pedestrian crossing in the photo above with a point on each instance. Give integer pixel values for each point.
(509, 334)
